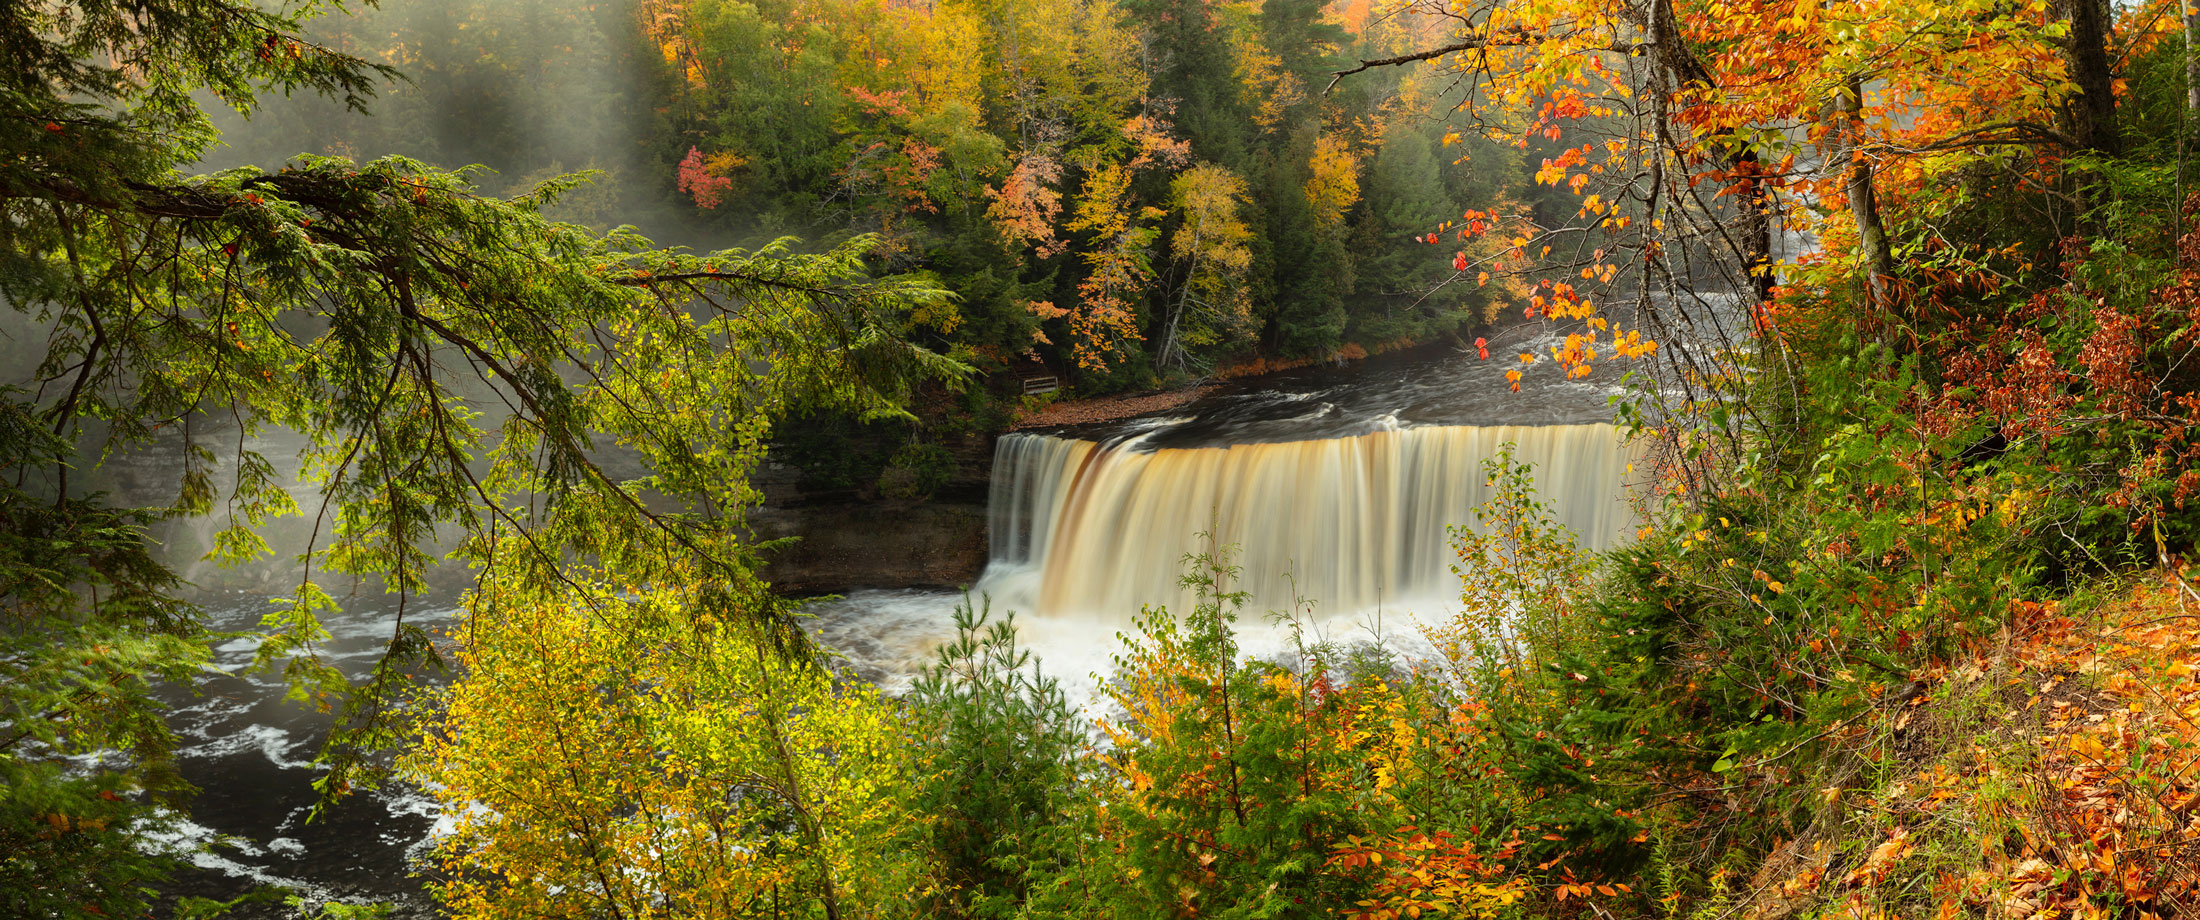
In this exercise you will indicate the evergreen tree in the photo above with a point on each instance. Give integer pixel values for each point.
(1299, 34)
(772, 103)
(349, 303)
(1194, 78)
(1406, 201)
(1313, 272)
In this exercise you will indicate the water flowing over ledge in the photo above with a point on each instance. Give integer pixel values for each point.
(1087, 530)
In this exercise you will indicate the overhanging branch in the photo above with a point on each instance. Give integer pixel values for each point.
(1414, 58)
(1511, 39)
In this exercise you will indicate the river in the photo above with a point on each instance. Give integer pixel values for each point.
(1334, 485)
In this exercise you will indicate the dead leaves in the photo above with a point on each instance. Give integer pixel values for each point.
(2071, 791)
(1884, 857)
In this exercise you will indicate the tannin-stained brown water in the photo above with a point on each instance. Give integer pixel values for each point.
(1086, 529)
(1333, 491)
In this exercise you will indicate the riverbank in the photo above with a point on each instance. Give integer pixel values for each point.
(1110, 408)
(1115, 408)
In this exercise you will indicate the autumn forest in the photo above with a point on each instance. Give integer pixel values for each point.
(1371, 459)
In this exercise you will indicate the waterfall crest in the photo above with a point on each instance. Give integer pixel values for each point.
(1081, 529)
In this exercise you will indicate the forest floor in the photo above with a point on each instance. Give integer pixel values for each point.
(2054, 771)
(1110, 408)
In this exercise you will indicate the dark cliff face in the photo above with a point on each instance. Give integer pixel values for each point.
(872, 537)
(845, 546)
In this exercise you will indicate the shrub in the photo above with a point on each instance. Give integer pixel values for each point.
(916, 472)
(1002, 750)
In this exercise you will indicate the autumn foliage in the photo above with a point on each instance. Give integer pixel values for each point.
(1907, 628)
(1131, 192)
(710, 776)
(1911, 288)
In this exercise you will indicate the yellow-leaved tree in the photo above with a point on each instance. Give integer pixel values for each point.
(1333, 183)
(1104, 326)
(1212, 247)
(644, 751)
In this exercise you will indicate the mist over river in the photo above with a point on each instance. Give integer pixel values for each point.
(1333, 486)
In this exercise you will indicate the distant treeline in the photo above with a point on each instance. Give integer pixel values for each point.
(1130, 192)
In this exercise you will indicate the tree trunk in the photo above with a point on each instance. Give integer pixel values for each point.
(2192, 59)
(1871, 235)
(1753, 238)
(2091, 114)
(1756, 225)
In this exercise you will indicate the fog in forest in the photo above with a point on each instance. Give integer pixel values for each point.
(525, 89)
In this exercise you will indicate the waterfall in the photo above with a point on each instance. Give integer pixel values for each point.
(1082, 529)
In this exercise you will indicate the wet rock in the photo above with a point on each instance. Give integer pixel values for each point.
(842, 547)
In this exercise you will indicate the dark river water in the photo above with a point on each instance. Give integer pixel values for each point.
(1429, 386)
(250, 752)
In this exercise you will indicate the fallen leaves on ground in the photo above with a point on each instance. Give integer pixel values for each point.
(2053, 774)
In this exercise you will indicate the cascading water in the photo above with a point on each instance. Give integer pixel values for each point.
(1335, 485)
(1082, 529)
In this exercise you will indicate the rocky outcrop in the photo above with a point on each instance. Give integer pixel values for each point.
(841, 547)
(845, 539)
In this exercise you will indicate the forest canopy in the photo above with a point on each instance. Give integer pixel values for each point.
(1130, 193)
